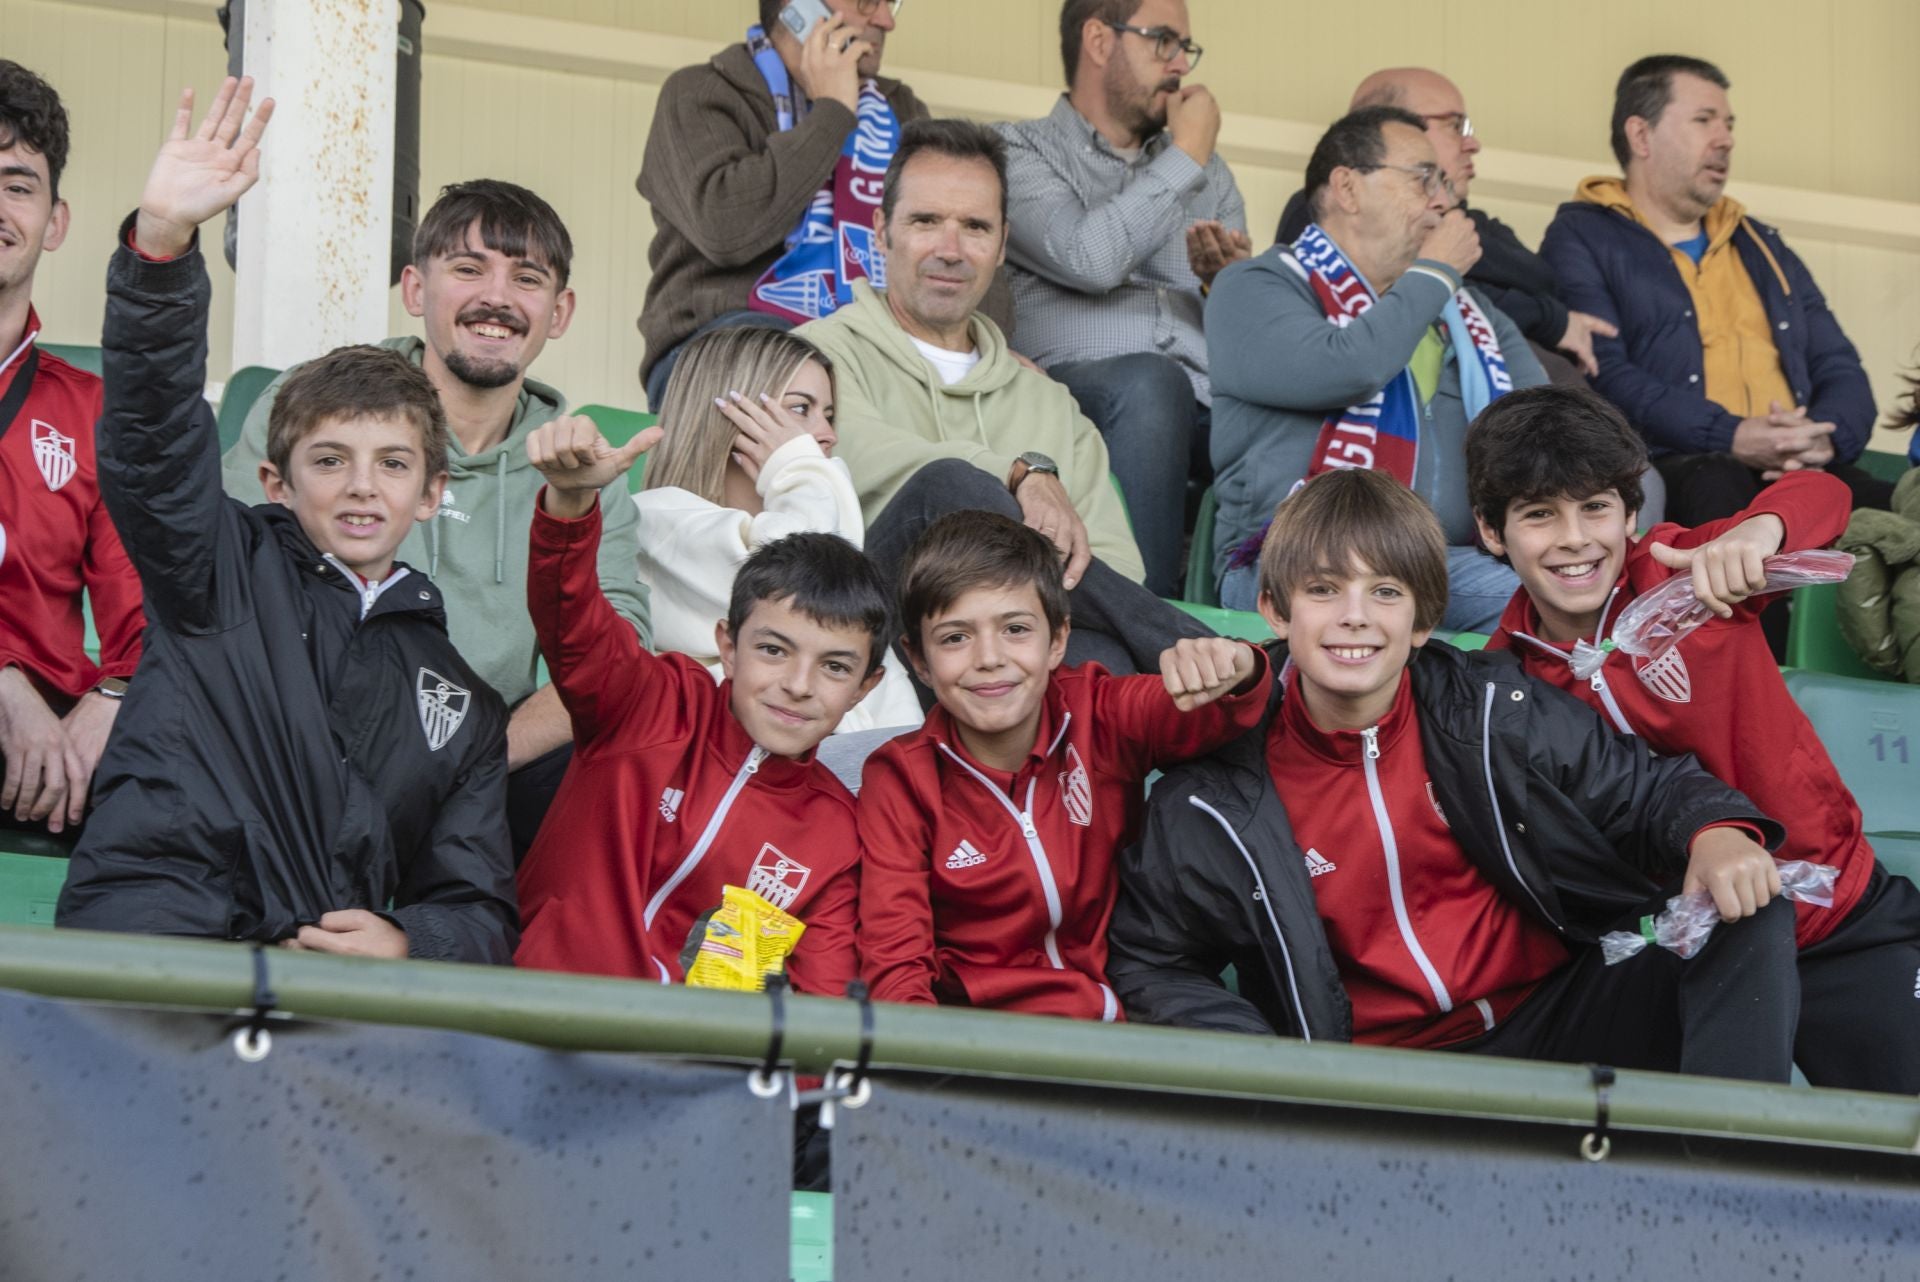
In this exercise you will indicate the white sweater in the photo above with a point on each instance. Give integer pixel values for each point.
(690, 550)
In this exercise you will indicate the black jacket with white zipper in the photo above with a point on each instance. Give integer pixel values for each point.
(1578, 825)
(278, 756)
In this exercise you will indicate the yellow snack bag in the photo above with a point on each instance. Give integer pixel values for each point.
(744, 940)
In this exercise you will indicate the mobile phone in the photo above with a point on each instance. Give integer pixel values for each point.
(802, 16)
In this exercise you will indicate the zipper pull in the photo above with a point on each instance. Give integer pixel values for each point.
(754, 759)
(1371, 736)
(1598, 682)
(1026, 826)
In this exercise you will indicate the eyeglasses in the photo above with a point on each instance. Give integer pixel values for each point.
(865, 8)
(1457, 123)
(1165, 42)
(1432, 181)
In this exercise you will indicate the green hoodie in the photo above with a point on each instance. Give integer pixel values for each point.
(475, 550)
(893, 416)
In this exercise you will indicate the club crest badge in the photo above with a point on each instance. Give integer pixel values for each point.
(1076, 790)
(53, 454)
(1667, 677)
(777, 878)
(443, 706)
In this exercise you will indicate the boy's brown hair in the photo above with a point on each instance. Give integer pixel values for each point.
(966, 550)
(356, 382)
(1346, 519)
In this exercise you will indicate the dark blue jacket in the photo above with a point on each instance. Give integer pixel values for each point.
(1616, 269)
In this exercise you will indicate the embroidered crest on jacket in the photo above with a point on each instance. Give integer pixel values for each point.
(443, 706)
(53, 454)
(776, 877)
(1076, 790)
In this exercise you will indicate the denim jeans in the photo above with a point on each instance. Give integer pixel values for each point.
(1144, 408)
(1478, 589)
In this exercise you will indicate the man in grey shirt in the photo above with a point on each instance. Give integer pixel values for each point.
(1121, 215)
(1392, 384)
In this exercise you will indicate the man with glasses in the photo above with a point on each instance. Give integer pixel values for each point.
(1509, 275)
(762, 169)
(1122, 214)
(1357, 346)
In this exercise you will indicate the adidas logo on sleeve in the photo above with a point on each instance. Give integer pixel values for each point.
(1318, 865)
(964, 856)
(670, 803)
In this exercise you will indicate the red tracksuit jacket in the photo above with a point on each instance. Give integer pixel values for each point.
(56, 538)
(992, 889)
(1429, 951)
(1724, 700)
(666, 800)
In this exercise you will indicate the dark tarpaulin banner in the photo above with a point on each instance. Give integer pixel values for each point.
(968, 1180)
(138, 1145)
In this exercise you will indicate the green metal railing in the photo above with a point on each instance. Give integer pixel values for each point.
(582, 1013)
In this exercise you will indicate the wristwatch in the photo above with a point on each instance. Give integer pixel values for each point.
(1026, 465)
(112, 687)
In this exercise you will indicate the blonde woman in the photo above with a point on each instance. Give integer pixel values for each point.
(746, 460)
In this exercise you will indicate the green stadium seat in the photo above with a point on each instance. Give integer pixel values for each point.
(1871, 729)
(1244, 624)
(1813, 636)
(620, 426)
(1201, 589)
(812, 1237)
(33, 867)
(236, 401)
(1466, 640)
(1885, 466)
(86, 358)
(1901, 855)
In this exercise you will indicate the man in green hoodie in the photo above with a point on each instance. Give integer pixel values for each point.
(489, 279)
(935, 413)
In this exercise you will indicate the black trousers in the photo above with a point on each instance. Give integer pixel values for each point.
(530, 791)
(1706, 487)
(1860, 994)
(1116, 622)
(1728, 1011)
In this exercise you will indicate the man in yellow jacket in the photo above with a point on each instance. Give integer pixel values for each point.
(935, 413)
(1728, 359)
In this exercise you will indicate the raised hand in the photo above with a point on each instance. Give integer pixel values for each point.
(1731, 568)
(198, 174)
(1193, 120)
(830, 63)
(1455, 242)
(1198, 670)
(764, 426)
(578, 462)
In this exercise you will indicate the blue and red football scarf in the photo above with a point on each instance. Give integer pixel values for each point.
(835, 243)
(1382, 433)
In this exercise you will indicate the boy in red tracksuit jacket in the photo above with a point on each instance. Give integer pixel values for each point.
(57, 707)
(989, 835)
(1420, 847)
(1554, 478)
(678, 786)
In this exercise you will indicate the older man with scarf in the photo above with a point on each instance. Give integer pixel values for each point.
(763, 171)
(1358, 347)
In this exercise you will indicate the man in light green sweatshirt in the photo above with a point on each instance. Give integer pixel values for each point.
(489, 278)
(934, 411)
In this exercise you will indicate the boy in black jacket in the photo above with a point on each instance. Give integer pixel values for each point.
(304, 758)
(1419, 847)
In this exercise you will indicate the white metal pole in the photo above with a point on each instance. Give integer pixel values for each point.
(311, 269)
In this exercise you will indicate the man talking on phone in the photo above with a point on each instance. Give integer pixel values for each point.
(763, 171)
